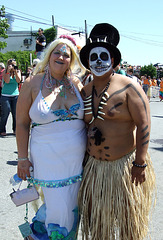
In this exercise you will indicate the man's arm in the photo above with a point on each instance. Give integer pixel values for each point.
(139, 109)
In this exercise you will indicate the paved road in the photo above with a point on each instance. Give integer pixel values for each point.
(11, 216)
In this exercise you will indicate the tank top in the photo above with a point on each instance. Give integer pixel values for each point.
(40, 113)
(11, 88)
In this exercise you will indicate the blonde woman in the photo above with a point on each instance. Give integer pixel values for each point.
(51, 102)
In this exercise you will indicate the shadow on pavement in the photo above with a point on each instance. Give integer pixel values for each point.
(158, 116)
(13, 163)
(157, 141)
(158, 149)
(8, 135)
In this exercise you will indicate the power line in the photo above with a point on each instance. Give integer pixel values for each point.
(26, 14)
(26, 19)
(34, 21)
(146, 41)
(146, 34)
(74, 28)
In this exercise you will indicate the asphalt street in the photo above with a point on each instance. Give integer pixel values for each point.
(12, 216)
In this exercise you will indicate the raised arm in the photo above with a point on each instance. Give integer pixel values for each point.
(23, 128)
(6, 75)
(18, 75)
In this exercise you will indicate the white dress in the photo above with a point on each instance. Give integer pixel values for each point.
(57, 148)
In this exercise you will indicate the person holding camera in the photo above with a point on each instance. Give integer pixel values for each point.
(11, 79)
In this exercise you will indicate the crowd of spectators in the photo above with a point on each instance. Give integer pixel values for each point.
(153, 87)
(11, 80)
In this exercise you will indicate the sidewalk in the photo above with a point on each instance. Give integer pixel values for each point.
(11, 216)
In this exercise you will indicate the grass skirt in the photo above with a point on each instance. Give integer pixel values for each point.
(111, 206)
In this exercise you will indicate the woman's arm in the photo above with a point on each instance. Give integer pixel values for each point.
(23, 128)
(18, 75)
(6, 75)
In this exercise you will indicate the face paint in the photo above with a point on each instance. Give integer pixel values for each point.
(63, 49)
(99, 61)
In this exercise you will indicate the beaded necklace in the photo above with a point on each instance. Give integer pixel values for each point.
(59, 86)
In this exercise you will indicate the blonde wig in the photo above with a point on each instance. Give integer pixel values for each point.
(75, 65)
(111, 206)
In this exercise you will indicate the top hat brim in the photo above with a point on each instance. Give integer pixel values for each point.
(84, 52)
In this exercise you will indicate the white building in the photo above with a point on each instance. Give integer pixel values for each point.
(25, 41)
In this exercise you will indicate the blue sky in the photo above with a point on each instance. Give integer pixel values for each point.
(139, 23)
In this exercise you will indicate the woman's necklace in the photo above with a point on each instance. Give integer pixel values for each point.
(94, 132)
(59, 86)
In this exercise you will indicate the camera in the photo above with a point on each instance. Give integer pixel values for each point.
(15, 67)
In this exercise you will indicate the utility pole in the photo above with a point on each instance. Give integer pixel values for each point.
(86, 31)
(52, 20)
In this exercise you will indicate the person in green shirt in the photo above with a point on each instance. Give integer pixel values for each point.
(11, 78)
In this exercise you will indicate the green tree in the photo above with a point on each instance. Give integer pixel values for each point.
(149, 70)
(3, 27)
(22, 58)
(50, 34)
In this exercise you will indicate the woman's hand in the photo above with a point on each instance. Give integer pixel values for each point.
(23, 169)
(9, 68)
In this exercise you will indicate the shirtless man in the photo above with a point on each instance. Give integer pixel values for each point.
(118, 175)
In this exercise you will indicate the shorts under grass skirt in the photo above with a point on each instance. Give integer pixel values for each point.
(111, 206)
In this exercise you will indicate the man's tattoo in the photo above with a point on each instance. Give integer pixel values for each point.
(83, 93)
(138, 93)
(115, 106)
(146, 135)
(106, 147)
(107, 155)
(145, 128)
(145, 143)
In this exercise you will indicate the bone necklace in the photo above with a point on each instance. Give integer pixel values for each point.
(89, 105)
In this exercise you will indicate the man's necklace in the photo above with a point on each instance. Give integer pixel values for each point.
(102, 92)
(89, 103)
(94, 132)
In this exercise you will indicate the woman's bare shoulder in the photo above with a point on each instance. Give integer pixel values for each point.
(33, 81)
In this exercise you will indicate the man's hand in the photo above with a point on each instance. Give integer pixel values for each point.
(137, 175)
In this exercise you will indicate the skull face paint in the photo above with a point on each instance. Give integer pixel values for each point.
(99, 61)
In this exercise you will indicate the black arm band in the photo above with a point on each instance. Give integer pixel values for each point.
(137, 165)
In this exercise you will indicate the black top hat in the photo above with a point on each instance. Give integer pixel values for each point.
(102, 35)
